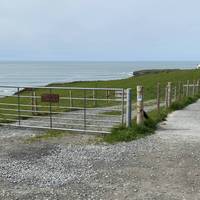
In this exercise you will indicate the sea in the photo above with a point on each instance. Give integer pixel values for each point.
(24, 74)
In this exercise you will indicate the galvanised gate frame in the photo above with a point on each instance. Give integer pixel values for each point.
(92, 110)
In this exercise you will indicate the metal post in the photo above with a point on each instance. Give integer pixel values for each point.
(50, 111)
(122, 107)
(140, 105)
(158, 97)
(94, 98)
(128, 108)
(34, 103)
(19, 110)
(107, 95)
(169, 95)
(70, 100)
(84, 111)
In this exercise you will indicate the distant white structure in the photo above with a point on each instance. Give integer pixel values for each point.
(198, 66)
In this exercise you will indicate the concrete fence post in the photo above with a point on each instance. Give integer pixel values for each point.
(158, 97)
(140, 105)
(169, 94)
(128, 108)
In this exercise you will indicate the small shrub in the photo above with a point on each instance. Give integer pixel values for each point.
(123, 134)
(178, 105)
(48, 135)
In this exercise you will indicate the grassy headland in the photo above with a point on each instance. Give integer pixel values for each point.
(149, 81)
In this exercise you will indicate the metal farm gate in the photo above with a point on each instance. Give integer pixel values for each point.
(94, 110)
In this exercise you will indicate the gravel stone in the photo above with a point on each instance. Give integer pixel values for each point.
(164, 166)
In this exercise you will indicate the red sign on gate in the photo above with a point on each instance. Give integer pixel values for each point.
(51, 98)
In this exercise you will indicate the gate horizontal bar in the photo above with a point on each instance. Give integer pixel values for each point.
(68, 98)
(46, 112)
(67, 124)
(76, 130)
(61, 118)
(39, 106)
(61, 88)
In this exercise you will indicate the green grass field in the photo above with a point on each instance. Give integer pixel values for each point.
(149, 82)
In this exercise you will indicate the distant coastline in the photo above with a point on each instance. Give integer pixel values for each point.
(35, 74)
(154, 71)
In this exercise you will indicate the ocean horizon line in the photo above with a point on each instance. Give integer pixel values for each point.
(100, 61)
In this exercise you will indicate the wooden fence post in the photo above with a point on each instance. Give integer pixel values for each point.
(140, 105)
(187, 88)
(166, 97)
(193, 88)
(197, 86)
(179, 90)
(169, 95)
(175, 93)
(158, 97)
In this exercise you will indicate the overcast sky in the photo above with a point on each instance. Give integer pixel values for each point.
(100, 30)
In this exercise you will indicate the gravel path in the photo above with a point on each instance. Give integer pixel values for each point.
(96, 118)
(164, 166)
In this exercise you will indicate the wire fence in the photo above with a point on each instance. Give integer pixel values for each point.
(165, 95)
(95, 110)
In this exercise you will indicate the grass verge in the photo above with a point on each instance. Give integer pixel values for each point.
(123, 134)
(73, 138)
(48, 135)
